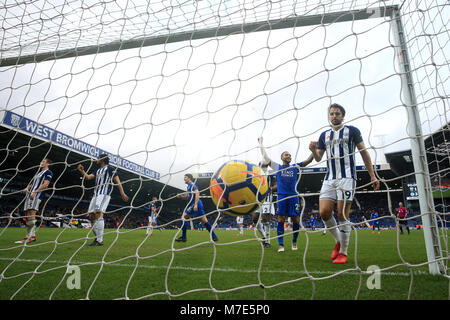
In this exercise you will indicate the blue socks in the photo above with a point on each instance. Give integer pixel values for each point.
(295, 227)
(184, 228)
(208, 227)
(280, 232)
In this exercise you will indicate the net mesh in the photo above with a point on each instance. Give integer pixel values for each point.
(173, 87)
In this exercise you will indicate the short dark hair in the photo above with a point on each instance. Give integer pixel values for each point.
(104, 157)
(337, 106)
(190, 176)
(49, 161)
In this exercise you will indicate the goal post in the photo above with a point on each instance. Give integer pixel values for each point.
(219, 31)
(419, 156)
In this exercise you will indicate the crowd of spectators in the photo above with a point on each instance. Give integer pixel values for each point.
(131, 218)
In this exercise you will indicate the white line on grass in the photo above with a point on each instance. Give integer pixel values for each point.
(145, 266)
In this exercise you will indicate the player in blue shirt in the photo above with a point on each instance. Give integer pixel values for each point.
(339, 143)
(288, 177)
(104, 178)
(34, 195)
(194, 208)
(375, 223)
(312, 222)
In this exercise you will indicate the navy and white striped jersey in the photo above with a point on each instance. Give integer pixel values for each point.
(38, 180)
(340, 148)
(271, 179)
(104, 180)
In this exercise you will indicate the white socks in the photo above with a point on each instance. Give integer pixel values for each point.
(31, 228)
(267, 230)
(97, 227)
(260, 228)
(330, 223)
(345, 230)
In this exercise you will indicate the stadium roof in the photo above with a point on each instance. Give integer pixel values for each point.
(20, 155)
(437, 146)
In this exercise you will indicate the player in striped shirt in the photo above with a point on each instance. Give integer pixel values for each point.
(288, 176)
(339, 184)
(34, 195)
(261, 217)
(153, 216)
(194, 208)
(105, 177)
(402, 212)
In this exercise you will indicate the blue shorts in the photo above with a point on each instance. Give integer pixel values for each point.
(289, 206)
(200, 210)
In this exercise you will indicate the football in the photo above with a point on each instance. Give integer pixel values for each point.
(238, 187)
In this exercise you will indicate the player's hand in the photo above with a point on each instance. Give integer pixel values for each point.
(80, 168)
(195, 208)
(313, 145)
(375, 183)
(25, 190)
(125, 198)
(32, 196)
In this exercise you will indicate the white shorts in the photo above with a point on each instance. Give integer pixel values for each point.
(99, 203)
(31, 204)
(152, 218)
(266, 208)
(338, 189)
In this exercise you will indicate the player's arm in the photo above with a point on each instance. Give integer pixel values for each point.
(119, 185)
(43, 186)
(183, 195)
(308, 160)
(274, 186)
(316, 151)
(266, 159)
(197, 197)
(84, 174)
(368, 163)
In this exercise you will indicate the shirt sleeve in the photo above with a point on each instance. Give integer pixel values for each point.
(356, 135)
(321, 142)
(275, 166)
(48, 176)
(113, 171)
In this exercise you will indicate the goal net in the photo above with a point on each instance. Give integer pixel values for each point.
(169, 88)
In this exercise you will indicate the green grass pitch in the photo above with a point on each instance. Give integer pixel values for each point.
(131, 265)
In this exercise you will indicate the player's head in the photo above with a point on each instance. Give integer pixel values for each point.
(188, 178)
(154, 198)
(336, 114)
(103, 159)
(46, 162)
(400, 204)
(286, 157)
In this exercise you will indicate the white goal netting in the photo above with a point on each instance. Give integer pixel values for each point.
(174, 87)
